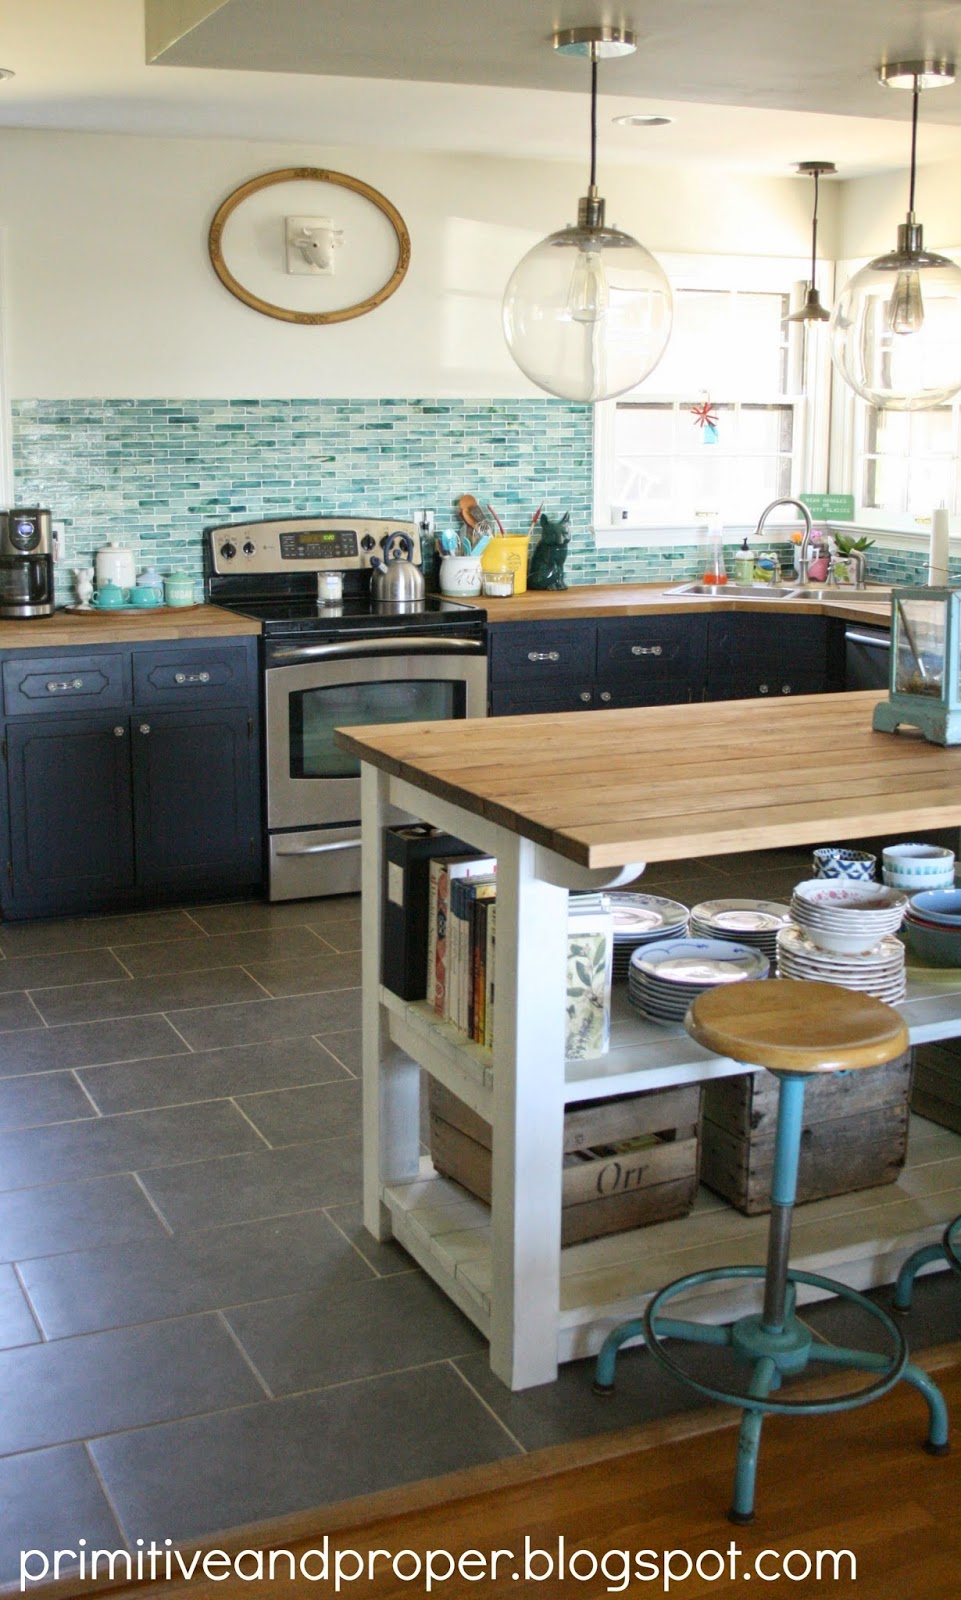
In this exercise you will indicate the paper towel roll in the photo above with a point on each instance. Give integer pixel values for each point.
(938, 557)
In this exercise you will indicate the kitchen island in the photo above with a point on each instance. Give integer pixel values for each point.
(567, 802)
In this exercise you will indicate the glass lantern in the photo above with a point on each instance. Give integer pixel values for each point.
(924, 691)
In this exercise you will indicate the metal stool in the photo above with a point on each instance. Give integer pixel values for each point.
(794, 1029)
(948, 1249)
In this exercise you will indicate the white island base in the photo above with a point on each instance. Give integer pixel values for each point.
(503, 1265)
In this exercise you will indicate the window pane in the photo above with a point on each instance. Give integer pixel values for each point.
(641, 429)
(723, 344)
(929, 483)
(766, 428)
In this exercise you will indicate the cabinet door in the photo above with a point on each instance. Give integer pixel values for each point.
(651, 660)
(196, 800)
(518, 699)
(71, 838)
(788, 653)
(540, 652)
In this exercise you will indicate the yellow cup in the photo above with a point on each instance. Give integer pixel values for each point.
(508, 552)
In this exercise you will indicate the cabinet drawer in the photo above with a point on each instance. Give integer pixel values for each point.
(537, 651)
(651, 647)
(771, 685)
(192, 674)
(772, 643)
(34, 685)
(515, 699)
(612, 694)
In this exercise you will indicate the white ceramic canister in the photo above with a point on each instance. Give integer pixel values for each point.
(460, 575)
(115, 564)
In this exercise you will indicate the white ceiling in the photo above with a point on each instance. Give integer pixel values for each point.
(754, 85)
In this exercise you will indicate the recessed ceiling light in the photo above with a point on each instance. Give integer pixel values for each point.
(637, 119)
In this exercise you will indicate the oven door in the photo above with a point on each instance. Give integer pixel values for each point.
(310, 781)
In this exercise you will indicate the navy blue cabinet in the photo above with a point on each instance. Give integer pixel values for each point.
(132, 776)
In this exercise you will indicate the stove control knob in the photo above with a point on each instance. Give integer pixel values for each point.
(249, 548)
(228, 551)
(383, 541)
(367, 542)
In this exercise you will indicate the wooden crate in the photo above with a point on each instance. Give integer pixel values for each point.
(936, 1090)
(855, 1134)
(627, 1162)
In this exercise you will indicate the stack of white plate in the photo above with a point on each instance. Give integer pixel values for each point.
(665, 977)
(845, 917)
(879, 972)
(752, 922)
(640, 919)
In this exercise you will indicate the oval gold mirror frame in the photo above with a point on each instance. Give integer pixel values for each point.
(315, 175)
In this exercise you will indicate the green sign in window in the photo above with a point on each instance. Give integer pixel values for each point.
(830, 507)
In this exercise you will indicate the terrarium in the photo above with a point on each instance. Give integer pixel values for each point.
(924, 689)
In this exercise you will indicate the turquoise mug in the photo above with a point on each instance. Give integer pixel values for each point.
(109, 597)
(144, 595)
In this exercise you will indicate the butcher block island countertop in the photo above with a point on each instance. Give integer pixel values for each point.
(66, 628)
(665, 783)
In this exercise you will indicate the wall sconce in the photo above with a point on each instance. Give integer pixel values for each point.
(310, 244)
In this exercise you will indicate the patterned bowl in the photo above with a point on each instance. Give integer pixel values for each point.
(832, 861)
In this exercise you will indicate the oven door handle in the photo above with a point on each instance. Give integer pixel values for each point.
(396, 645)
(320, 849)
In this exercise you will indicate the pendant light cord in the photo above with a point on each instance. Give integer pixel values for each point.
(593, 123)
(914, 142)
(814, 231)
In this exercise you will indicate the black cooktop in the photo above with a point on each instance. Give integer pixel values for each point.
(308, 615)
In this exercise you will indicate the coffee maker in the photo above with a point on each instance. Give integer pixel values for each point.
(26, 563)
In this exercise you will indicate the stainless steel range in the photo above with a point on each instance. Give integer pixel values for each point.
(333, 660)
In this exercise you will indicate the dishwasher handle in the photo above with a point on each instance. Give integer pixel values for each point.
(878, 641)
(396, 645)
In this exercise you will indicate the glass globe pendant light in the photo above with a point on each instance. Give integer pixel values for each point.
(587, 313)
(896, 327)
(812, 309)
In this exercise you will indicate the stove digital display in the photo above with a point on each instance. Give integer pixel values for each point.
(333, 544)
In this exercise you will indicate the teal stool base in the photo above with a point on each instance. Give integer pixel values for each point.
(772, 1354)
(948, 1250)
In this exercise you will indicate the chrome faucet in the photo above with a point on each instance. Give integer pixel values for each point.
(803, 560)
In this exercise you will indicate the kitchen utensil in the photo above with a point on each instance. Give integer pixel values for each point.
(449, 542)
(396, 580)
(470, 511)
(491, 512)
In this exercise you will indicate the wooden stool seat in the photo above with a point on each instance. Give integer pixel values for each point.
(790, 1026)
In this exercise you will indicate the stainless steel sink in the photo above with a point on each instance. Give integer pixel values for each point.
(754, 591)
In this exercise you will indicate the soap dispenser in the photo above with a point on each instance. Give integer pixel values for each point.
(744, 564)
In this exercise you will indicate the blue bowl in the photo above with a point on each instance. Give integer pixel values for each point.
(932, 947)
(939, 905)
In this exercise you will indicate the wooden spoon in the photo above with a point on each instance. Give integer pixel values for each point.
(469, 510)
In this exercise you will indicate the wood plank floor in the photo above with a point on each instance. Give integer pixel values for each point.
(857, 1482)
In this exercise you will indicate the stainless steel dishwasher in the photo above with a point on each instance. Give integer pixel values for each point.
(867, 656)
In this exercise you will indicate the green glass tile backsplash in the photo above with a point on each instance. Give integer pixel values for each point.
(155, 473)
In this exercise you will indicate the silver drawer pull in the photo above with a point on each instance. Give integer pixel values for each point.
(543, 655)
(647, 649)
(62, 686)
(191, 677)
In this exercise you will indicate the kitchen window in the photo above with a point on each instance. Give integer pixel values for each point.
(659, 467)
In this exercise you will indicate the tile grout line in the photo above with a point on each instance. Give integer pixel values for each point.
(452, 1362)
(73, 1073)
(231, 1101)
(15, 1267)
(151, 1203)
(242, 1351)
(104, 1490)
(379, 1276)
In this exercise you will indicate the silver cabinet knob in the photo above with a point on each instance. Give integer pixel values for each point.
(145, 727)
(763, 688)
(605, 694)
(119, 732)
(585, 695)
(786, 688)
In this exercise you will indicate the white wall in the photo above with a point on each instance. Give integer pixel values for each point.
(110, 293)
(873, 207)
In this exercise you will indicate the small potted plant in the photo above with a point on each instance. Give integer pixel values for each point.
(850, 565)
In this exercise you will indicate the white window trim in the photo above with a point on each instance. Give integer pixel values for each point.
(757, 273)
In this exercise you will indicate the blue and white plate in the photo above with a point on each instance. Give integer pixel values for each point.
(665, 977)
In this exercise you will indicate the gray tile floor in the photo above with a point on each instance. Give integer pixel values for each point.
(196, 1332)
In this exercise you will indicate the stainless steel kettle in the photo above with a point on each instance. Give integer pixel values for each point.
(396, 580)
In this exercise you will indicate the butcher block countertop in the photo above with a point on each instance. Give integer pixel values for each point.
(665, 783)
(65, 628)
(646, 599)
